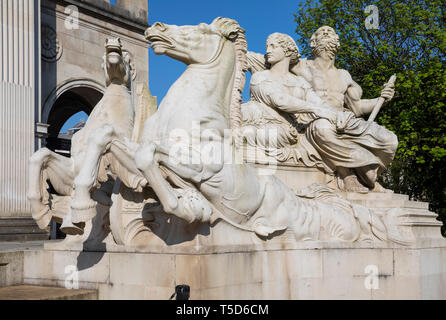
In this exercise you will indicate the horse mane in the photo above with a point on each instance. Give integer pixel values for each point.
(231, 30)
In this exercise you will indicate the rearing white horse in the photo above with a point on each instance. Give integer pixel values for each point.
(105, 138)
(196, 111)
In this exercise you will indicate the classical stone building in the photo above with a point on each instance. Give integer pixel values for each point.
(51, 57)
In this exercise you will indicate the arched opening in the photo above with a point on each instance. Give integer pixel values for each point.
(75, 101)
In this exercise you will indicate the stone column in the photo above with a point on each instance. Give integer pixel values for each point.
(140, 4)
(19, 92)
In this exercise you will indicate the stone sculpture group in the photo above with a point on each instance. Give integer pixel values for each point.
(328, 102)
(187, 161)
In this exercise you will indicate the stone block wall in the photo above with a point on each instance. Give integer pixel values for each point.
(331, 273)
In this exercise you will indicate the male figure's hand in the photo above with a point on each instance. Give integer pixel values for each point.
(388, 93)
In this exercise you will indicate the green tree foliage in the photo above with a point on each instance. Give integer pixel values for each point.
(411, 42)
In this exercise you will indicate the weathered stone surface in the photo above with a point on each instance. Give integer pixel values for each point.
(92, 267)
(276, 274)
(142, 270)
(11, 268)
(45, 293)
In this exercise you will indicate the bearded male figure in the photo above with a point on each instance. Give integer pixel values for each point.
(355, 149)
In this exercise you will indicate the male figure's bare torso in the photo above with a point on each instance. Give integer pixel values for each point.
(331, 85)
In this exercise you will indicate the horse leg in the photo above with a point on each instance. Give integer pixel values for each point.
(121, 158)
(83, 207)
(119, 155)
(148, 163)
(46, 165)
(182, 164)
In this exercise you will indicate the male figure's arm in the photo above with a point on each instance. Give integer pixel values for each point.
(362, 107)
(353, 93)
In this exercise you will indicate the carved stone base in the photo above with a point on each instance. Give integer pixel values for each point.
(170, 235)
(413, 218)
(144, 254)
(239, 273)
(134, 229)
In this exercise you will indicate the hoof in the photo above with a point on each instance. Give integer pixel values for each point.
(72, 229)
(84, 211)
(194, 206)
(262, 229)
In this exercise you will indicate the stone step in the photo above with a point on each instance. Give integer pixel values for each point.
(23, 237)
(21, 229)
(6, 247)
(404, 204)
(384, 200)
(419, 218)
(374, 196)
(45, 293)
(417, 205)
(16, 221)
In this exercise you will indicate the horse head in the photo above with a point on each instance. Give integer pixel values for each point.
(118, 66)
(192, 44)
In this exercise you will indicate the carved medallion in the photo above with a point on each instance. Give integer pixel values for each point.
(51, 47)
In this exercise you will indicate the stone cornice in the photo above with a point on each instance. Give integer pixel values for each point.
(135, 21)
(90, 24)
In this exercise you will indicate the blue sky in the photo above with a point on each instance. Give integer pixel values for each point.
(259, 18)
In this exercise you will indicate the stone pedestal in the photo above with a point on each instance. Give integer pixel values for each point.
(243, 266)
(223, 262)
(219, 261)
(312, 271)
(11, 268)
